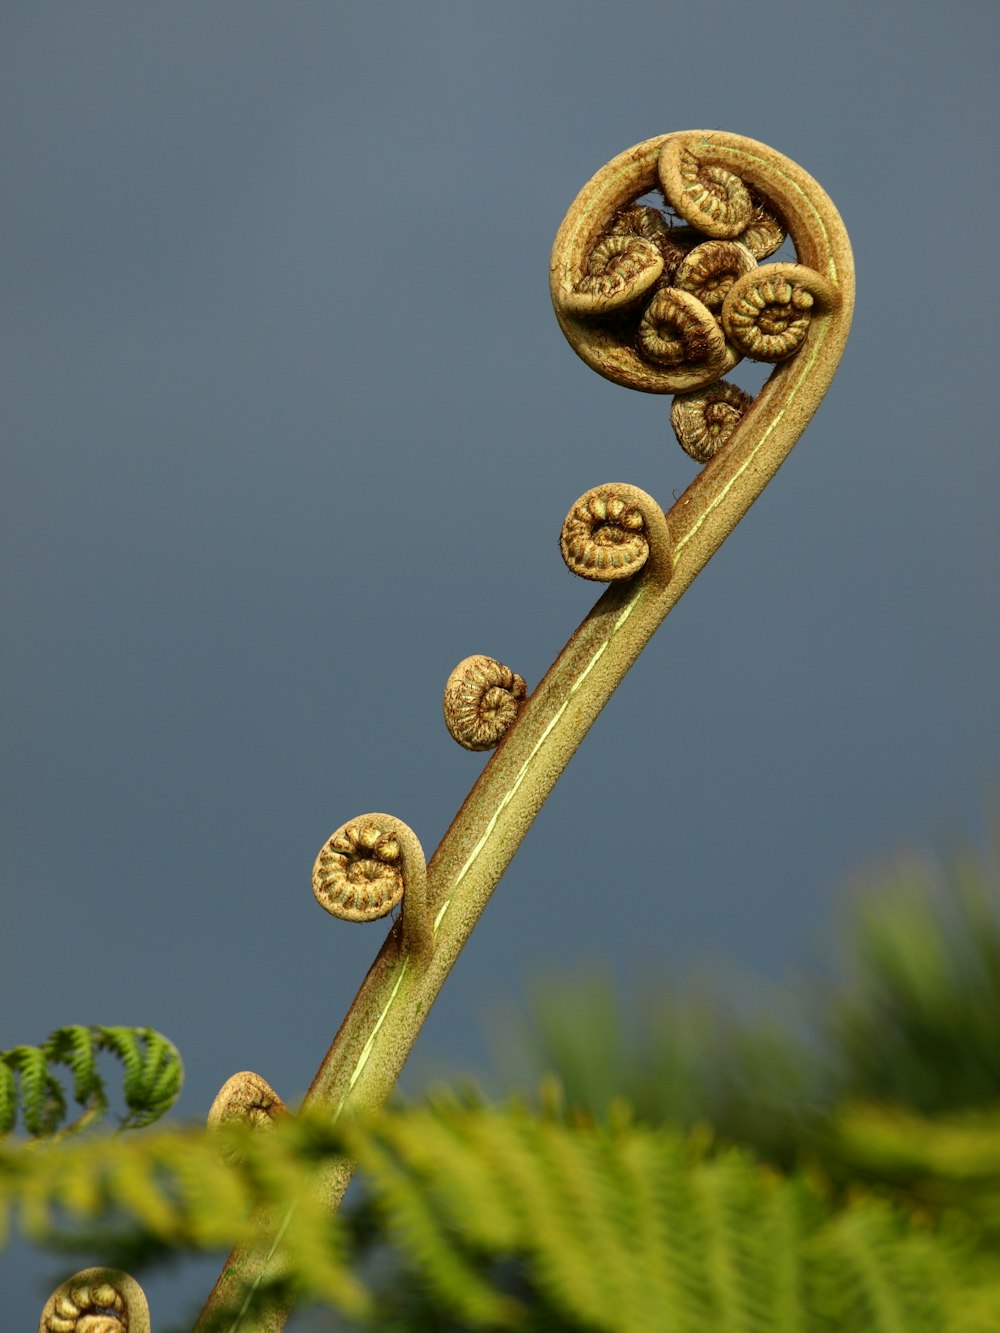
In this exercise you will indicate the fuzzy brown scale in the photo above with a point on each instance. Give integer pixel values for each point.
(765, 233)
(683, 238)
(641, 220)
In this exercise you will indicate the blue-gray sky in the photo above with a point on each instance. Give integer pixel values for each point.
(290, 428)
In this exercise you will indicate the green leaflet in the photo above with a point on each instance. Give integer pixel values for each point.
(153, 1078)
(41, 1095)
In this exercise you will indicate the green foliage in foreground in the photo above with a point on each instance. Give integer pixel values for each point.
(617, 1227)
(850, 1178)
(626, 1227)
(913, 1021)
(889, 1082)
(153, 1078)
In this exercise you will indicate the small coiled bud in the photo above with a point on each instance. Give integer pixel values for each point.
(641, 220)
(673, 243)
(710, 269)
(248, 1098)
(482, 697)
(767, 312)
(358, 875)
(708, 196)
(363, 870)
(682, 338)
(604, 536)
(96, 1300)
(704, 420)
(620, 269)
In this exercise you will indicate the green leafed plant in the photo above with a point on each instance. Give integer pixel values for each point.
(918, 1020)
(633, 1228)
(503, 1218)
(812, 1097)
(913, 1019)
(153, 1077)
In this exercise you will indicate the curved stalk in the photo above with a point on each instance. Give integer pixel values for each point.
(360, 1069)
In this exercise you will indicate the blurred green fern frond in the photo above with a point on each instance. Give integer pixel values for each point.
(626, 1227)
(183, 1189)
(153, 1078)
(931, 1163)
(619, 1228)
(850, 1178)
(913, 1020)
(505, 1218)
(873, 1267)
(916, 1020)
(672, 1058)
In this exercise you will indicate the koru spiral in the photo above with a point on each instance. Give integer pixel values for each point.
(96, 1300)
(668, 299)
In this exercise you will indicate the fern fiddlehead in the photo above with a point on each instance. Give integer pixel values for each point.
(369, 866)
(614, 287)
(96, 1300)
(153, 1078)
(246, 1098)
(482, 698)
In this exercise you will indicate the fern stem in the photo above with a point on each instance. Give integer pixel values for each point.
(360, 1069)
